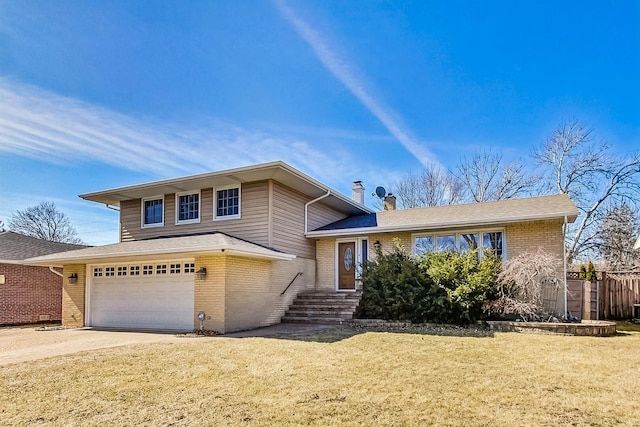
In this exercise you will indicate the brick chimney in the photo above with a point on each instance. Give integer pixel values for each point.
(390, 202)
(358, 192)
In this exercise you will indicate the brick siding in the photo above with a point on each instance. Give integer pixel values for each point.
(73, 296)
(29, 295)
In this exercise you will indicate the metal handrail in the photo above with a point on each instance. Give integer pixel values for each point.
(291, 283)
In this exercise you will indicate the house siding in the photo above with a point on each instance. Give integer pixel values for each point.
(252, 226)
(210, 293)
(288, 222)
(530, 236)
(234, 300)
(519, 238)
(29, 295)
(73, 296)
(248, 296)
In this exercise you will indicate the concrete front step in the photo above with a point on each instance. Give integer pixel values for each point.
(322, 307)
(316, 320)
(316, 312)
(325, 304)
(344, 295)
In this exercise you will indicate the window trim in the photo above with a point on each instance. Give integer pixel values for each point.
(479, 231)
(215, 203)
(188, 221)
(142, 213)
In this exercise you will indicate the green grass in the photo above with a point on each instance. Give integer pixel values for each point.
(339, 377)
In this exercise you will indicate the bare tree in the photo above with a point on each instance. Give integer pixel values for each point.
(616, 237)
(485, 177)
(590, 175)
(522, 284)
(1, 226)
(433, 187)
(46, 222)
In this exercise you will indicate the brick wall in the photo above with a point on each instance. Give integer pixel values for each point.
(529, 236)
(29, 293)
(73, 295)
(210, 293)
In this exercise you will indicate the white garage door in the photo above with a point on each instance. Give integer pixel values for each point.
(144, 296)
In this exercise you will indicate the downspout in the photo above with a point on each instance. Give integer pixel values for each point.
(306, 209)
(564, 258)
(55, 272)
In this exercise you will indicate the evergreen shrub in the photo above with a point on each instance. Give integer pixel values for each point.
(440, 287)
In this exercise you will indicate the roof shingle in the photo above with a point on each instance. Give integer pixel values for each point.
(17, 247)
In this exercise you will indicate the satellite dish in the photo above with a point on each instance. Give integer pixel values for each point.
(381, 192)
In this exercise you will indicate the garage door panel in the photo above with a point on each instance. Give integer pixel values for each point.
(143, 302)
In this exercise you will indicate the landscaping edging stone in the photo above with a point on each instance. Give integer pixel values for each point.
(595, 328)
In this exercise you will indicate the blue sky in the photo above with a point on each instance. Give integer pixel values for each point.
(100, 94)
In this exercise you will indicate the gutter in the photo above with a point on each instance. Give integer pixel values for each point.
(55, 272)
(424, 227)
(306, 210)
(564, 260)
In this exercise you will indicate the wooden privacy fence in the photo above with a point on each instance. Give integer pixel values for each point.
(618, 294)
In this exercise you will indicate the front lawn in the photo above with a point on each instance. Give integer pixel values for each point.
(342, 377)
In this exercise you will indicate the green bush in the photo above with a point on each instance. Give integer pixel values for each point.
(441, 287)
(583, 272)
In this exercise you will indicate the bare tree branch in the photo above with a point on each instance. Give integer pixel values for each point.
(589, 174)
(485, 178)
(46, 222)
(433, 187)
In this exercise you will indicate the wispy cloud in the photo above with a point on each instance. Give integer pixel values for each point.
(345, 73)
(40, 124)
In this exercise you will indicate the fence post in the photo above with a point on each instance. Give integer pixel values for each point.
(586, 300)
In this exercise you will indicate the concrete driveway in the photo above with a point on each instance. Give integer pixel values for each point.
(22, 344)
(26, 343)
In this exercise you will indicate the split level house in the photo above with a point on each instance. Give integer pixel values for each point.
(234, 249)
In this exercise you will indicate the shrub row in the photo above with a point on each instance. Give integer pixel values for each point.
(440, 287)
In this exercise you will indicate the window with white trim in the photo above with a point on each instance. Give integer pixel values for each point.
(109, 271)
(227, 203)
(189, 267)
(122, 270)
(147, 270)
(97, 272)
(187, 208)
(492, 241)
(174, 268)
(153, 212)
(134, 270)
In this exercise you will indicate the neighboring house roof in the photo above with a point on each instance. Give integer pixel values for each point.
(200, 244)
(15, 247)
(453, 216)
(278, 171)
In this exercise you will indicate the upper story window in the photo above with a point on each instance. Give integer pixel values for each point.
(491, 241)
(187, 208)
(227, 203)
(152, 212)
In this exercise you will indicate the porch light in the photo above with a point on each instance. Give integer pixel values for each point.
(73, 279)
(377, 245)
(202, 273)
